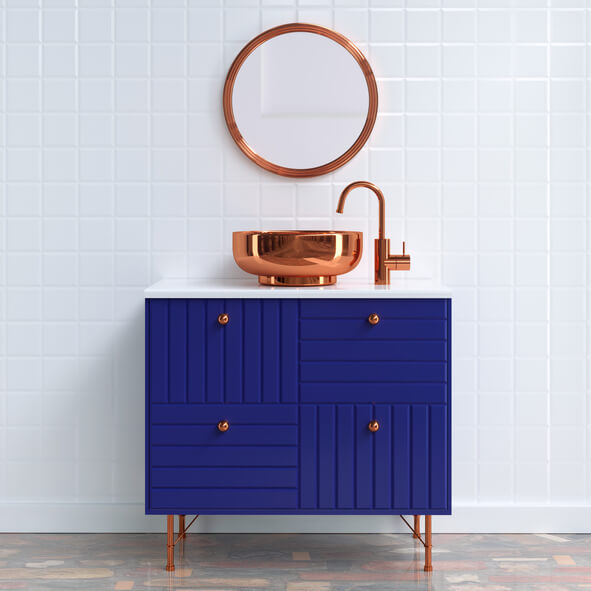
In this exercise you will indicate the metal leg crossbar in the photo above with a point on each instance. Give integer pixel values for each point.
(427, 542)
(170, 541)
(416, 533)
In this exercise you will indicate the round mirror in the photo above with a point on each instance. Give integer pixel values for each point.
(300, 100)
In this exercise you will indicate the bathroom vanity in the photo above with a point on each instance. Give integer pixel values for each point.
(332, 400)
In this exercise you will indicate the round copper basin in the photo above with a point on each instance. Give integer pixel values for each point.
(297, 257)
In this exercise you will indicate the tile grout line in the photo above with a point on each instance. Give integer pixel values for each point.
(548, 264)
(115, 364)
(4, 239)
(513, 257)
(477, 307)
(78, 429)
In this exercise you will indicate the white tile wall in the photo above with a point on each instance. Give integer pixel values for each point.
(117, 170)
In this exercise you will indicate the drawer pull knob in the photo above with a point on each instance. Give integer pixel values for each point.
(223, 319)
(223, 426)
(373, 319)
(373, 426)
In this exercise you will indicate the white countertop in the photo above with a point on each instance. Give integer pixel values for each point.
(249, 288)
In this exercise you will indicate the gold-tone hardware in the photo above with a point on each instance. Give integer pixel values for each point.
(223, 426)
(372, 90)
(373, 319)
(373, 426)
(297, 258)
(223, 319)
(384, 261)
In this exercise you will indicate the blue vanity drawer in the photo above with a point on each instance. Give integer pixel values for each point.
(402, 467)
(404, 358)
(400, 320)
(388, 329)
(385, 308)
(192, 358)
(374, 350)
(195, 467)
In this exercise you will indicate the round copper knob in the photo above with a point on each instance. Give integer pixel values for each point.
(373, 426)
(223, 319)
(223, 426)
(373, 319)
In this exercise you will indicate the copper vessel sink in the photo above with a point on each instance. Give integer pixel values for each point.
(297, 257)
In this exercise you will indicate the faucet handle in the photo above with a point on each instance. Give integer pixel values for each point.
(398, 262)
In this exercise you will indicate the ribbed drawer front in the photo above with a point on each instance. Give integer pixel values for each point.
(251, 465)
(403, 358)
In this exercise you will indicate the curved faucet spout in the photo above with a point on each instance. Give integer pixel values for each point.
(379, 195)
(384, 261)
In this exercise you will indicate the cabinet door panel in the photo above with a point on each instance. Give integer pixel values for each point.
(343, 465)
(192, 358)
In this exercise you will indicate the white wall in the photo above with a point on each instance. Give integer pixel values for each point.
(117, 170)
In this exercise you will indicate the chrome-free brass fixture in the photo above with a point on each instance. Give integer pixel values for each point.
(297, 258)
(384, 261)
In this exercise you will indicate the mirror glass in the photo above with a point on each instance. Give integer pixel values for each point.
(301, 101)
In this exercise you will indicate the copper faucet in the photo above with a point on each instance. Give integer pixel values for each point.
(384, 261)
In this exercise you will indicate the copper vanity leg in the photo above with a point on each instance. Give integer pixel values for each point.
(417, 529)
(181, 526)
(428, 544)
(170, 542)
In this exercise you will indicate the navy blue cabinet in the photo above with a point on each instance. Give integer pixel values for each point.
(298, 382)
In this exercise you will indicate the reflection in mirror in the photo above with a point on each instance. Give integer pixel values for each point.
(300, 100)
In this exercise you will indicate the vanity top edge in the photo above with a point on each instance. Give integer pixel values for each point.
(238, 288)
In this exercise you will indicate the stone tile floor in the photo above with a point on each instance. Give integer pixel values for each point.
(296, 562)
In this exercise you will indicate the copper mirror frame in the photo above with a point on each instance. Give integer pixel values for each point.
(371, 112)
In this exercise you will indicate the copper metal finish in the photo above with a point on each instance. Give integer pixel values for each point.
(297, 281)
(170, 543)
(373, 426)
(297, 258)
(170, 540)
(223, 426)
(417, 527)
(371, 88)
(428, 544)
(373, 319)
(223, 319)
(383, 260)
(415, 533)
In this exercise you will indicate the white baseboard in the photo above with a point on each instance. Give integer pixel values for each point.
(130, 518)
